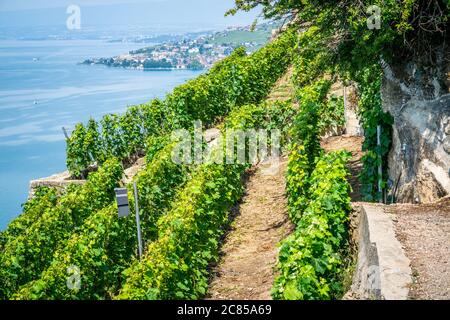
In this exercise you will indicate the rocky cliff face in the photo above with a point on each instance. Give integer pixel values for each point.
(419, 100)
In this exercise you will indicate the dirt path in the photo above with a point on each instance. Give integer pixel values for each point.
(283, 89)
(250, 251)
(424, 232)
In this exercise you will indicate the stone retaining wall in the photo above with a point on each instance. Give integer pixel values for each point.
(383, 271)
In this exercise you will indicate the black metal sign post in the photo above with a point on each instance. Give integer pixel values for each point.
(122, 202)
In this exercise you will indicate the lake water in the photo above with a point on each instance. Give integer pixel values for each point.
(42, 88)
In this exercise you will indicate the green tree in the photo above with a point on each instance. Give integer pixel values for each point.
(195, 65)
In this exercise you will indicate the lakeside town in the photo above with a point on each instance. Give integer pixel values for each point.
(193, 54)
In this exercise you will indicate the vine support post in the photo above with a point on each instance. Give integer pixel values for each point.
(345, 104)
(138, 220)
(380, 165)
(65, 133)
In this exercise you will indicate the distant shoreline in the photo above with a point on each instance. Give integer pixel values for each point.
(140, 68)
(190, 53)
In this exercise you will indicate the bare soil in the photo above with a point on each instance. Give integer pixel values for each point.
(250, 252)
(283, 89)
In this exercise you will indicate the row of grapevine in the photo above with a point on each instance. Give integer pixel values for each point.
(269, 115)
(315, 59)
(26, 254)
(315, 107)
(313, 259)
(43, 199)
(176, 265)
(237, 80)
(319, 112)
(43, 241)
(105, 245)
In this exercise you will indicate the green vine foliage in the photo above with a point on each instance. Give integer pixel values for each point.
(154, 145)
(82, 249)
(314, 116)
(44, 198)
(332, 115)
(25, 256)
(404, 31)
(77, 159)
(132, 132)
(312, 60)
(297, 181)
(317, 113)
(312, 259)
(372, 115)
(81, 226)
(113, 141)
(156, 118)
(158, 185)
(92, 141)
(315, 61)
(337, 40)
(237, 80)
(175, 266)
(105, 245)
(266, 115)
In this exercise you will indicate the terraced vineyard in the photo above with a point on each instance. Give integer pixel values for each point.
(80, 227)
(207, 223)
(185, 208)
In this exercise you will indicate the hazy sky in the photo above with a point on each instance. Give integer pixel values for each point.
(120, 12)
(13, 5)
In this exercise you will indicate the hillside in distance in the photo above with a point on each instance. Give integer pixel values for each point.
(187, 52)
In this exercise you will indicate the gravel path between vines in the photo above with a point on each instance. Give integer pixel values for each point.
(249, 254)
(424, 232)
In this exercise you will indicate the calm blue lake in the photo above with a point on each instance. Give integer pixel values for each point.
(42, 88)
